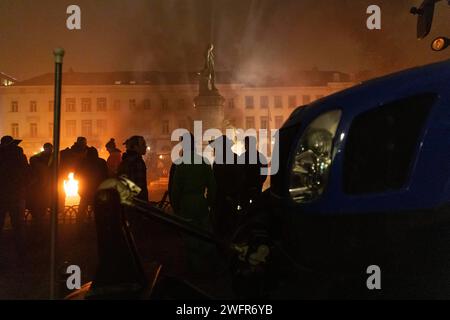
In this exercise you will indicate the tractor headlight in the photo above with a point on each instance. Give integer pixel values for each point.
(313, 157)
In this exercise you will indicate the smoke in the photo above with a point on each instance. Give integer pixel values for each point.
(256, 39)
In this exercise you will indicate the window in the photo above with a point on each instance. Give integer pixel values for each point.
(101, 127)
(33, 106)
(306, 98)
(86, 105)
(71, 128)
(86, 128)
(292, 101)
(147, 104)
(264, 122)
(231, 103)
(116, 105)
(70, 105)
(51, 105)
(381, 145)
(249, 102)
(165, 127)
(278, 102)
(33, 130)
(50, 130)
(165, 104)
(15, 130)
(278, 122)
(250, 123)
(101, 104)
(264, 102)
(132, 104)
(14, 106)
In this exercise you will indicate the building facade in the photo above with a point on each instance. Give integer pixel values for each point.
(100, 106)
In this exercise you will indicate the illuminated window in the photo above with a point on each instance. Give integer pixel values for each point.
(86, 105)
(250, 123)
(15, 130)
(132, 104)
(264, 102)
(231, 103)
(14, 106)
(33, 130)
(33, 106)
(292, 101)
(101, 127)
(101, 104)
(70, 105)
(71, 128)
(86, 128)
(249, 102)
(278, 102)
(264, 122)
(278, 122)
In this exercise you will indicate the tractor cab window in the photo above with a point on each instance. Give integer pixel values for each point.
(381, 145)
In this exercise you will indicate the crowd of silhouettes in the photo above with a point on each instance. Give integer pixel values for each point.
(209, 196)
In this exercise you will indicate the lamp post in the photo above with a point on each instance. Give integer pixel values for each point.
(59, 54)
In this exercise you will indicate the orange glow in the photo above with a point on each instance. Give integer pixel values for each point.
(71, 191)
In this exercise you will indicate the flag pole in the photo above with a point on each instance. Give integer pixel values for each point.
(58, 54)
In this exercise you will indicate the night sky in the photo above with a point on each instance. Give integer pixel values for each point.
(254, 39)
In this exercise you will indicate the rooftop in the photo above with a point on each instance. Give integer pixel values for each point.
(312, 77)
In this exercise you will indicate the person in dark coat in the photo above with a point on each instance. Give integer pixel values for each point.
(114, 159)
(14, 177)
(252, 161)
(70, 160)
(229, 178)
(40, 188)
(193, 195)
(133, 166)
(90, 174)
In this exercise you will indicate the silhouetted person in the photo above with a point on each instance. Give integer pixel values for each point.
(70, 160)
(173, 167)
(133, 166)
(90, 174)
(114, 159)
(14, 177)
(229, 178)
(72, 157)
(253, 161)
(40, 188)
(193, 179)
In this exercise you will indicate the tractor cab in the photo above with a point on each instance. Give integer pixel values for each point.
(364, 180)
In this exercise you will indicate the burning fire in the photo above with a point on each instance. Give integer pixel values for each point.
(71, 191)
(71, 186)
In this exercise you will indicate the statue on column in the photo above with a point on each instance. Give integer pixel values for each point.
(207, 75)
